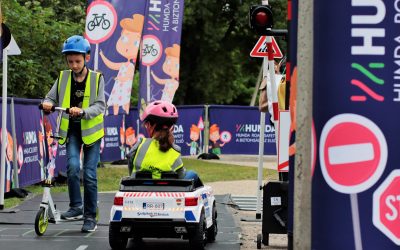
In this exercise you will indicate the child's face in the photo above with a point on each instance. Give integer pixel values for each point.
(194, 136)
(214, 136)
(130, 139)
(76, 62)
(9, 152)
(171, 66)
(128, 44)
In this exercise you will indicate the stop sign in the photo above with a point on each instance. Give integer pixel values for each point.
(386, 207)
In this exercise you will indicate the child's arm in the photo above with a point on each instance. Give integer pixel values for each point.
(108, 63)
(51, 97)
(158, 80)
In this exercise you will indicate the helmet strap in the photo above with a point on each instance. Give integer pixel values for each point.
(150, 129)
(80, 72)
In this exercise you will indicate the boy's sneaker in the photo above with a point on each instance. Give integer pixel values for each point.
(89, 225)
(73, 213)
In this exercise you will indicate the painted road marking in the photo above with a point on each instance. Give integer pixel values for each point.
(351, 153)
(82, 247)
(28, 232)
(62, 231)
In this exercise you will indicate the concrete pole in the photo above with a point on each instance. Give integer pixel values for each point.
(3, 130)
(302, 171)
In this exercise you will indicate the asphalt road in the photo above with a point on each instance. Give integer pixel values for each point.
(17, 229)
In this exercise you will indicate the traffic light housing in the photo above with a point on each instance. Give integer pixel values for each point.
(260, 19)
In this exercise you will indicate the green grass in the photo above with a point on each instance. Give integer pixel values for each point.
(109, 177)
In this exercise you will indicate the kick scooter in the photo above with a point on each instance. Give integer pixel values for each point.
(47, 210)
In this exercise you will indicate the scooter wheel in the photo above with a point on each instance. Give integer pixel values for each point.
(97, 214)
(258, 241)
(41, 222)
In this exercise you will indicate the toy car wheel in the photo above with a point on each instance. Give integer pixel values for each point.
(213, 230)
(41, 221)
(115, 240)
(198, 239)
(258, 241)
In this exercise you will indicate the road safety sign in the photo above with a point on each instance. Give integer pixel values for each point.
(386, 211)
(101, 21)
(260, 49)
(353, 153)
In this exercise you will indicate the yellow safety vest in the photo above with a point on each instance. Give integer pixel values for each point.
(150, 158)
(93, 129)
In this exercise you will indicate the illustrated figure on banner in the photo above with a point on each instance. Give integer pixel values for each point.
(130, 137)
(128, 46)
(52, 147)
(214, 138)
(194, 136)
(9, 162)
(41, 151)
(171, 68)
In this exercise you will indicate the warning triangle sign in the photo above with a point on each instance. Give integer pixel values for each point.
(260, 50)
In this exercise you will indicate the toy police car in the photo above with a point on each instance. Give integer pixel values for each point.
(162, 208)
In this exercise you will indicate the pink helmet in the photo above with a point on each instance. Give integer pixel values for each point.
(160, 112)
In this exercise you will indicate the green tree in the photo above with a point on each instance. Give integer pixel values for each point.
(216, 41)
(39, 32)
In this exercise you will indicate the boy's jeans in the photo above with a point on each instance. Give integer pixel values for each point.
(90, 160)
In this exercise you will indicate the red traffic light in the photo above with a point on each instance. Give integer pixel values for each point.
(260, 18)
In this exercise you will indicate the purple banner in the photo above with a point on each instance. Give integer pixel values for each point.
(56, 155)
(112, 143)
(188, 131)
(356, 182)
(236, 130)
(131, 128)
(114, 29)
(29, 148)
(159, 65)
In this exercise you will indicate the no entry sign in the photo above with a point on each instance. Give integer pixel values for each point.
(353, 153)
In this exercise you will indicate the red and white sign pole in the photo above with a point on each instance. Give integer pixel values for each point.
(271, 71)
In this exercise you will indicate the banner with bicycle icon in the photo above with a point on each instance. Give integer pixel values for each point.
(160, 52)
(115, 30)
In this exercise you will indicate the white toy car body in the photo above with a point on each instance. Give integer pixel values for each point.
(164, 208)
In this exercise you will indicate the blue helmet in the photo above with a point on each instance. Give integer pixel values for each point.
(76, 44)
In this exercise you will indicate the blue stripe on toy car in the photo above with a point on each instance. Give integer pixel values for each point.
(189, 216)
(117, 215)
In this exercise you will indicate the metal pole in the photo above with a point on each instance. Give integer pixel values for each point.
(260, 164)
(3, 130)
(206, 129)
(14, 136)
(302, 179)
(96, 58)
(261, 147)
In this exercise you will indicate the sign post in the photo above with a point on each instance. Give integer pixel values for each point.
(5, 40)
(353, 155)
(200, 125)
(151, 53)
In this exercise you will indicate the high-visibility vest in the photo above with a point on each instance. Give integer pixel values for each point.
(93, 129)
(150, 158)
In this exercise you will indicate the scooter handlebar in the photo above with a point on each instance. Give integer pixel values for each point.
(55, 108)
